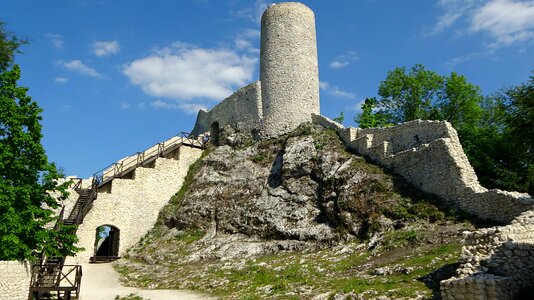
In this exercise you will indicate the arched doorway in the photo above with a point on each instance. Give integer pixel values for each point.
(107, 240)
(214, 133)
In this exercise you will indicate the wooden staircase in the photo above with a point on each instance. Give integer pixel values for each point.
(83, 200)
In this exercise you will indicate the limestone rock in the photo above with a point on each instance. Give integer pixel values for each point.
(300, 188)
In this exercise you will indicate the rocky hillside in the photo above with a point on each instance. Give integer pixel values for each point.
(296, 217)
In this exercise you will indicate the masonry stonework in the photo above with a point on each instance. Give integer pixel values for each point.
(288, 68)
(288, 91)
(496, 262)
(132, 205)
(242, 110)
(14, 280)
(429, 155)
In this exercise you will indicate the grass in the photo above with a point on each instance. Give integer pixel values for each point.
(130, 297)
(400, 238)
(190, 236)
(298, 275)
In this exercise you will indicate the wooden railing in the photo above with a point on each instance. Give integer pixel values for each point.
(130, 163)
(63, 281)
(76, 183)
(127, 165)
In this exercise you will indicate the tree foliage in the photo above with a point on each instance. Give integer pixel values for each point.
(9, 46)
(340, 118)
(424, 94)
(517, 106)
(368, 118)
(26, 176)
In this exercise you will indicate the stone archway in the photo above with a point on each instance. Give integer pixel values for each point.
(107, 240)
(214, 133)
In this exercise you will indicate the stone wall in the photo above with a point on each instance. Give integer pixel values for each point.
(132, 205)
(496, 262)
(289, 91)
(14, 280)
(288, 68)
(242, 110)
(429, 155)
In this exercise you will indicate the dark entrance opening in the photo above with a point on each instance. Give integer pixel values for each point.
(106, 243)
(214, 133)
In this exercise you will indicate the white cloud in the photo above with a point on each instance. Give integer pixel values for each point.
(506, 22)
(254, 12)
(125, 105)
(60, 79)
(454, 10)
(344, 60)
(184, 72)
(335, 91)
(101, 48)
(455, 61)
(244, 41)
(164, 105)
(78, 66)
(56, 39)
(190, 108)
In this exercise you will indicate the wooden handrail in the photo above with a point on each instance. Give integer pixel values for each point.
(119, 169)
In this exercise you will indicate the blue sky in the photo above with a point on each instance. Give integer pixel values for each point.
(115, 77)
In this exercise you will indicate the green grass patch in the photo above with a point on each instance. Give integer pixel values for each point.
(400, 238)
(130, 297)
(190, 236)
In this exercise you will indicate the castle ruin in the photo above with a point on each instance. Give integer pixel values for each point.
(287, 93)
(496, 262)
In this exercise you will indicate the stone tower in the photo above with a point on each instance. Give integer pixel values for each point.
(288, 68)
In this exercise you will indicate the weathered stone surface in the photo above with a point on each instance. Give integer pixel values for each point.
(301, 188)
(14, 280)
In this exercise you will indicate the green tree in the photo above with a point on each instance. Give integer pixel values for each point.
(424, 94)
(409, 96)
(458, 102)
(26, 176)
(340, 118)
(9, 46)
(368, 118)
(517, 105)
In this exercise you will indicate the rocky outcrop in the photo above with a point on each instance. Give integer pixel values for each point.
(300, 190)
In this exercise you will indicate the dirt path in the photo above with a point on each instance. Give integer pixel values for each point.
(101, 282)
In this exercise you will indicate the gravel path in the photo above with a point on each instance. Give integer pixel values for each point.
(101, 282)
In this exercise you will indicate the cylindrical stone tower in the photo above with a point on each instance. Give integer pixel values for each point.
(288, 68)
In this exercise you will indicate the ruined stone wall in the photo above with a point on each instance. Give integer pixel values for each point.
(429, 155)
(242, 110)
(14, 280)
(132, 205)
(496, 262)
